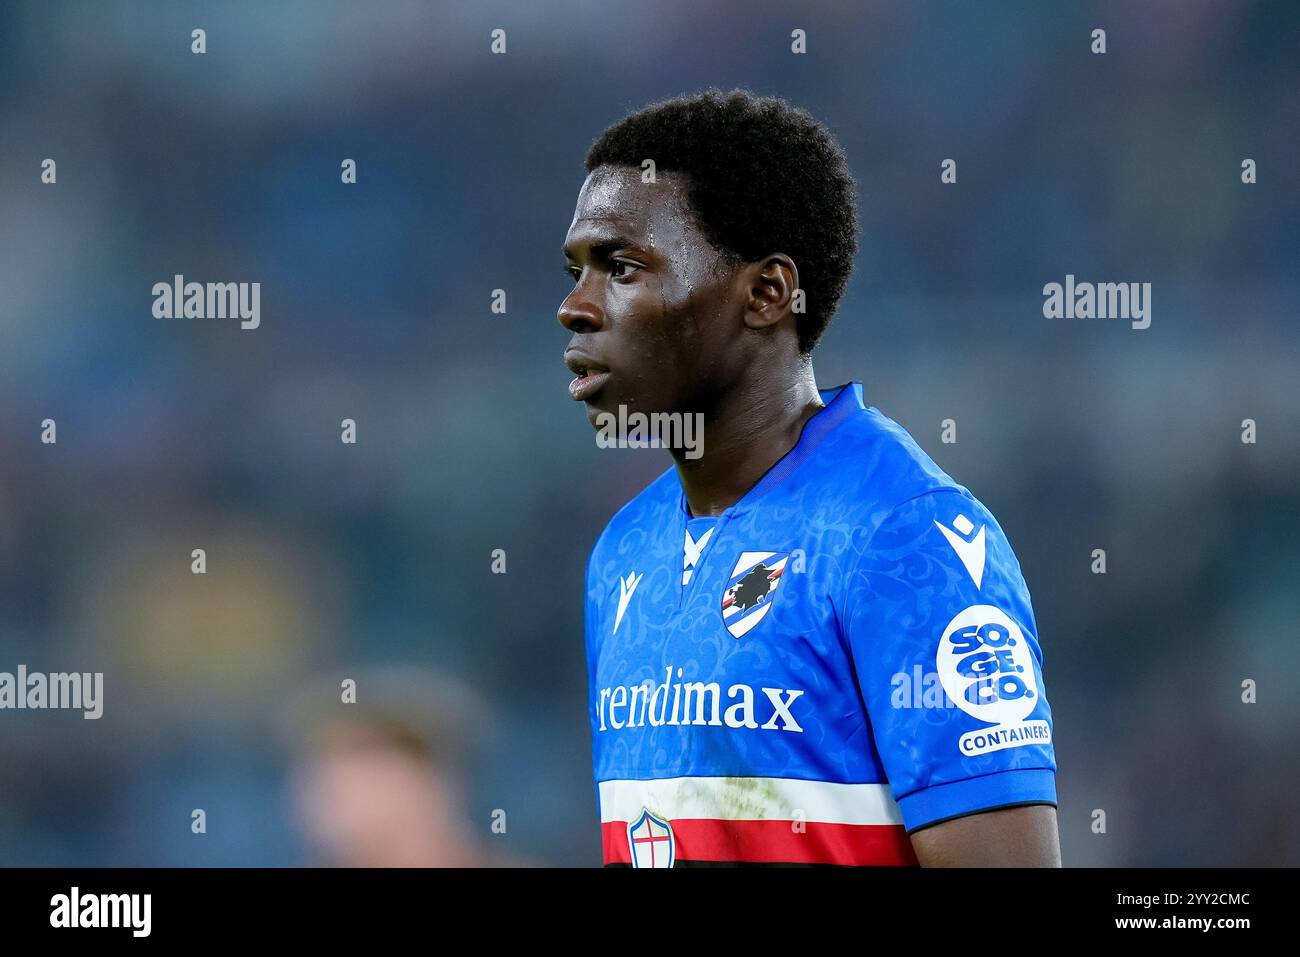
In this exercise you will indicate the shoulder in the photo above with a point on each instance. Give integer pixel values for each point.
(909, 513)
(875, 468)
(646, 513)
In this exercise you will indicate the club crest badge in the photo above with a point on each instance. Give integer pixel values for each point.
(751, 590)
(650, 841)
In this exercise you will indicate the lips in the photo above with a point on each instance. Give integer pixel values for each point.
(586, 386)
(591, 375)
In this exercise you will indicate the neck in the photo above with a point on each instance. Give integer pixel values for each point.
(748, 432)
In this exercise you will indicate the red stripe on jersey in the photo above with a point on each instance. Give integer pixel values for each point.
(774, 842)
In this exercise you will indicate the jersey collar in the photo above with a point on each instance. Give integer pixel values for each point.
(841, 402)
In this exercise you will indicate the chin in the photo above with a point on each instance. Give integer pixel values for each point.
(595, 409)
(603, 401)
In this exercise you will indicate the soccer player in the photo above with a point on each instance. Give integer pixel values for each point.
(807, 645)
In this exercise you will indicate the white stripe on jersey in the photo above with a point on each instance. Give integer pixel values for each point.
(750, 799)
(691, 552)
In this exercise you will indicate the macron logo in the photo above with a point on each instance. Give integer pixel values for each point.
(969, 550)
(625, 588)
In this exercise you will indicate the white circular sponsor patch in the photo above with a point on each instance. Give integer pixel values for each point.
(986, 667)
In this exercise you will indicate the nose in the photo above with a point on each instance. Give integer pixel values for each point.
(579, 312)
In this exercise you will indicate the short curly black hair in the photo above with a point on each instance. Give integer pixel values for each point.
(765, 177)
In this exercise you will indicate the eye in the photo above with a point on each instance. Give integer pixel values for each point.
(619, 268)
(574, 272)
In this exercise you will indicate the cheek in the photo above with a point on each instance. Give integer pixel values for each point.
(671, 336)
(670, 351)
(660, 328)
(687, 312)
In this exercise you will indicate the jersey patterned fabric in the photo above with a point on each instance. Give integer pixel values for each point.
(844, 656)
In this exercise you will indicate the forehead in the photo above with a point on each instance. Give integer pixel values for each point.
(614, 201)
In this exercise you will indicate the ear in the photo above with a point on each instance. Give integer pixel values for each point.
(770, 285)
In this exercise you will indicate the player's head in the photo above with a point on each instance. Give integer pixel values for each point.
(686, 271)
(378, 782)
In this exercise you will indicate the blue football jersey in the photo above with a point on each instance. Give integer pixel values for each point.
(844, 656)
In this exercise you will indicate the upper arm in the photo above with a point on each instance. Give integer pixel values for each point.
(945, 648)
(1009, 837)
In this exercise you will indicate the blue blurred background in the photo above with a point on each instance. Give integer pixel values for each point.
(325, 559)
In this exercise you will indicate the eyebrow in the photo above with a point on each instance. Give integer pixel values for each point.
(604, 246)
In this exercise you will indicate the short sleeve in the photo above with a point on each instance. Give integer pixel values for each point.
(944, 644)
(591, 614)
(590, 618)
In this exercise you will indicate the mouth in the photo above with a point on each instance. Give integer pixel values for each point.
(590, 376)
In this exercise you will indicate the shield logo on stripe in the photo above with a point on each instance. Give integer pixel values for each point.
(751, 590)
(650, 840)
